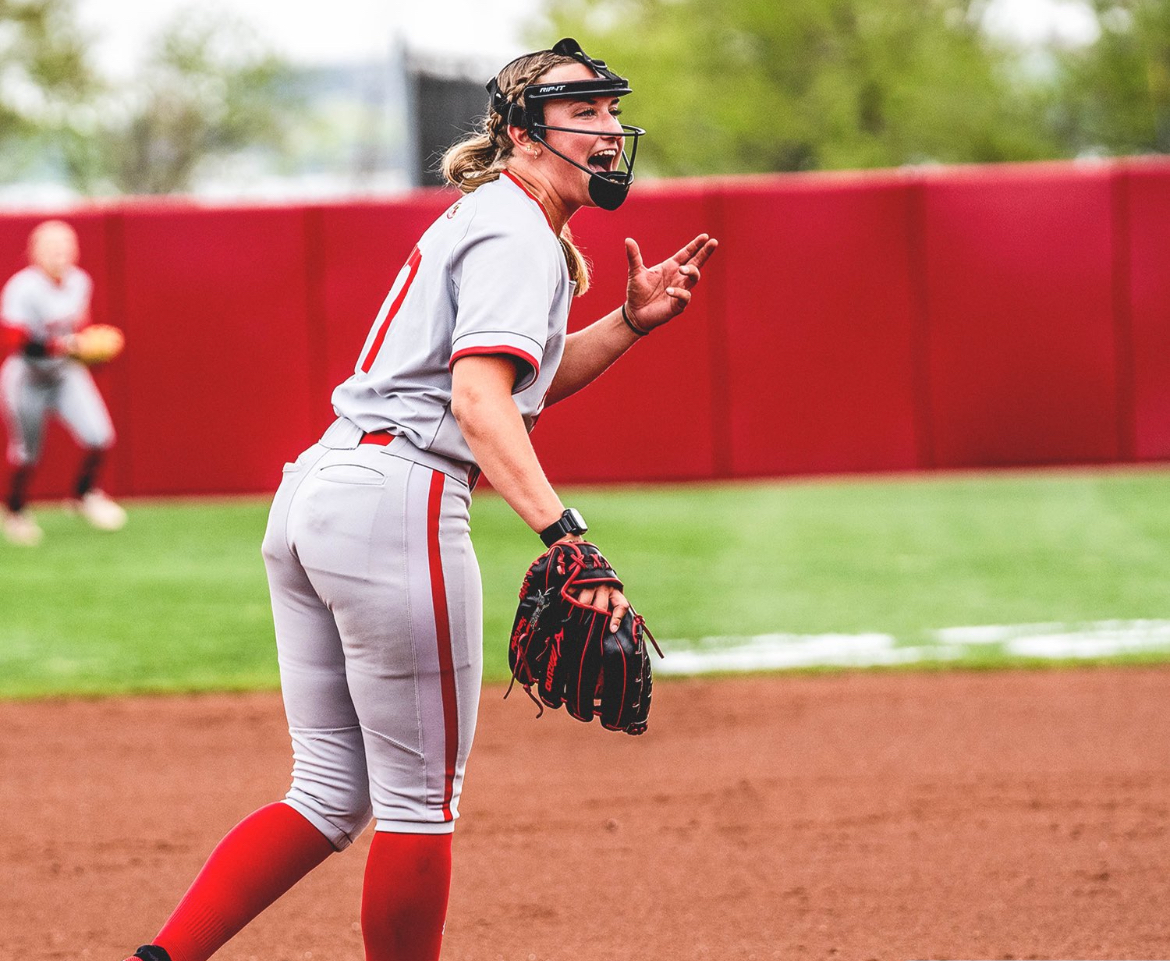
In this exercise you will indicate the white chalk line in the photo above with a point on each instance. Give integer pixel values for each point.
(1048, 641)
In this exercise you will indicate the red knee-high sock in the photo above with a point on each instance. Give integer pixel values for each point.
(261, 858)
(404, 900)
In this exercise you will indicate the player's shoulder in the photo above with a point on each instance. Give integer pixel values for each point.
(33, 279)
(22, 283)
(503, 214)
(23, 277)
(516, 208)
(78, 278)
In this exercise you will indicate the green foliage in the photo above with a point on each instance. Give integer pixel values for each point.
(43, 39)
(178, 600)
(46, 73)
(1115, 93)
(755, 85)
(208, 88)
(737, 86)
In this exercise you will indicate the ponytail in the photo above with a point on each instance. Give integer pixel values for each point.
(578, 266)
(473, 162)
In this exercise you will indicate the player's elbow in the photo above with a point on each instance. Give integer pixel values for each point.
(473, 408)
(462, 407)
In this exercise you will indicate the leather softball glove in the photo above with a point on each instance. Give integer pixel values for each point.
(96, 344)
(562, 651)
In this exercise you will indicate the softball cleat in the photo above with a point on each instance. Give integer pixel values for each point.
(149, 952)
(22, 530)
(101, 512)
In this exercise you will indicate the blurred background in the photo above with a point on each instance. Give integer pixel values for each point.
(263, 101)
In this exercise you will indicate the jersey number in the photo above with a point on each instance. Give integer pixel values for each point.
(391, 306)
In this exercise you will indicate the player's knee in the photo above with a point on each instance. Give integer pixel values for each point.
(20, 453)
(98, 440)
(340, 811)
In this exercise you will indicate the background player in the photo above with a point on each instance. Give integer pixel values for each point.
(375, 588)
(41, 308)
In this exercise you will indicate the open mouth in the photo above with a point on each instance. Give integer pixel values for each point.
(604, 161)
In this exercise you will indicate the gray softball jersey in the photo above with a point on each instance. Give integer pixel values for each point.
(33, 387)
(488, 277)
(44, 309)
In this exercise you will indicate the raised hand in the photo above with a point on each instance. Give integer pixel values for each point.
(657, 294)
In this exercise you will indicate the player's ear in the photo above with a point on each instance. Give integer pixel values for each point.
(521, 138)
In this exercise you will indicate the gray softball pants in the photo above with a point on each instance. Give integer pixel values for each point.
(377, 604)
(30, 392)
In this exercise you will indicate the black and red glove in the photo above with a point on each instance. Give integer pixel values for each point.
(562, 651)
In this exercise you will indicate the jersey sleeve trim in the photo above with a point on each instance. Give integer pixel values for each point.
(531, 365)
(12, 336)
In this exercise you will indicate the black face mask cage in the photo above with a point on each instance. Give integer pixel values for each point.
(609, 189)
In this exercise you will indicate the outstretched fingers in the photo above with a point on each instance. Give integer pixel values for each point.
(697, 251)
(704, 253)
(634, 255)
(689, 271)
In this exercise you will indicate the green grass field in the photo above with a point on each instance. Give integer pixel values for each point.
(178, 600)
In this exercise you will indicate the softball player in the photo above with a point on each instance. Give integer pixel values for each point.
(375, 587)
(41, 307)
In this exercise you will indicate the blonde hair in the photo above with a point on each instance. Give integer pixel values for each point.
(483, 156)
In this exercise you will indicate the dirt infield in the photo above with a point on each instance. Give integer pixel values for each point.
(997, 815)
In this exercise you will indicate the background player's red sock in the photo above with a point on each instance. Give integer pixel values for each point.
(261, 858)
(404, 900)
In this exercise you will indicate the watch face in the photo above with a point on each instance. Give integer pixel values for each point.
(574, 517)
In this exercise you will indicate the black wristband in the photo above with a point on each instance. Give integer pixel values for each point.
(629, 323)
(570, 522)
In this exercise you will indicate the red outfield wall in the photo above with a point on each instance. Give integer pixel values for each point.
(959, 317)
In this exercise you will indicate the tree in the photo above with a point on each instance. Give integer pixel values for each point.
(210, 89)
(1115, 92)
(45, 75)
(757, 85)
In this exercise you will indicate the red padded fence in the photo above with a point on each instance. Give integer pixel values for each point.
(218, 361)
(960, 317)
(1022, 337)
(1144, 318)
(821, 326)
